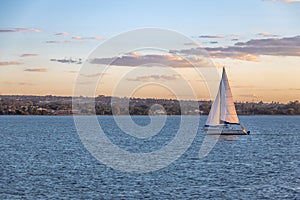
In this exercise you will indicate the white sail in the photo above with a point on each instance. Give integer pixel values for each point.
(213, 118)
(228, 112)
(223, 109)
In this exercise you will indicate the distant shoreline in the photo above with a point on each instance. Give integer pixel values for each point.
(62, 106)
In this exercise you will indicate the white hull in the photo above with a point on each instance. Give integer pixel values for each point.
(226, 132)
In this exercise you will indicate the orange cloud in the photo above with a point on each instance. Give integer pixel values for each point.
(154, 60)
(265, 34)
(29, 54)
(10, 63)
(36, 70)
(134, 54)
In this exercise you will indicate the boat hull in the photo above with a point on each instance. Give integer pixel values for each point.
(226, 132)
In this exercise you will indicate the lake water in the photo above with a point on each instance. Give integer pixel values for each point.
(43, 157)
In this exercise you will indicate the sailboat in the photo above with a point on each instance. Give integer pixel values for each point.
(222, 118)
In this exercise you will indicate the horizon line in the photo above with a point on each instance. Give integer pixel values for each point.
(70, 96)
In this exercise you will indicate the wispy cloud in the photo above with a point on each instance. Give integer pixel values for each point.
(28, 54)
(10, 63)
(265, 34)
(58, 41)
(211, 36)
(289, 43)
(93, 75)
(252, 49)
(36, 70)
(87, 38)
(62, 33)
(72, 71)
(16, 30)
(287, 1)
(191, 44)
(67, 61)
(218, 36)
(73, 39)
(18, 83)
(134, 60)
(172, 77)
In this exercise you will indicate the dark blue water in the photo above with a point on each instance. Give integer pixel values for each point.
(42, 157)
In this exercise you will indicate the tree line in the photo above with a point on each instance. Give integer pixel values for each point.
(55, 105)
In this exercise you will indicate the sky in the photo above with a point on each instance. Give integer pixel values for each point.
(44, 46)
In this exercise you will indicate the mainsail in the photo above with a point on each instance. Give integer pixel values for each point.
(223, 109)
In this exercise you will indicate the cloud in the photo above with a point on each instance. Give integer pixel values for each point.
(222, 52)
(252, 49)
(18, 83)
(73, 39)
(67, 61)
(287, 1)
(16, 30)
(29, 54)
(62, 34)
(228, 53)
(191, 44)
(59, 41)
(211, 36)
(291, 42)
(265, 34)
(72, 71)
(218, 36)
(134, 54)
(10, 63)
(247, 51)
(93, 75)
(86, 38)
(172, 77)
(36, 70)
(134, 60)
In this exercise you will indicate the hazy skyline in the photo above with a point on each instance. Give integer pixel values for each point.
(44, 43)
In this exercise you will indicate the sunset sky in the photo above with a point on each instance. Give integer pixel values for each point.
(44, 44)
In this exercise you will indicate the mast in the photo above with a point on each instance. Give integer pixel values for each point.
(223, 109)
(228, 113)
